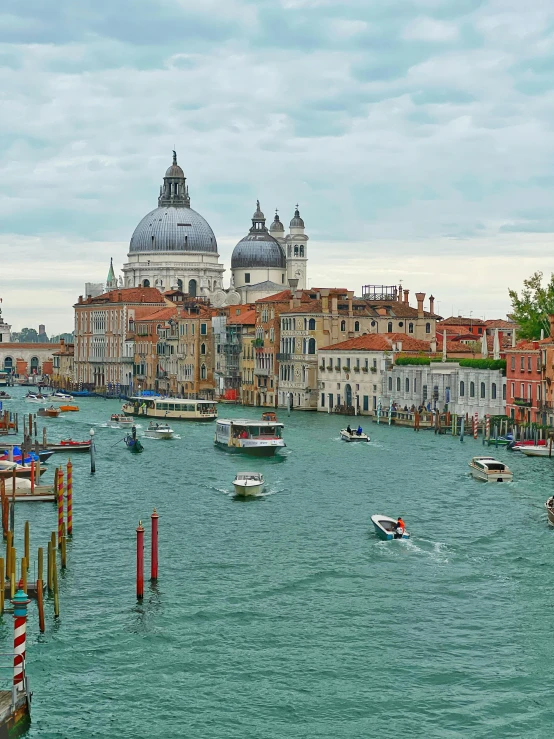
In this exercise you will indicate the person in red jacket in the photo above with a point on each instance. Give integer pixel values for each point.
(400, 528)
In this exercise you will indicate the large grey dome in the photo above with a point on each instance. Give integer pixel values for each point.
(173, 228)
(258, 248)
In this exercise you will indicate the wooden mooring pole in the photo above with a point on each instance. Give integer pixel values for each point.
(59, 495)
(140, 561)
(154, 554)
(69, 498)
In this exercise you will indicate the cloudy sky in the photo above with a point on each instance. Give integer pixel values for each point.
(416, 135)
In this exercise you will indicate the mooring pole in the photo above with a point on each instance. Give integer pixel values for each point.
(154, 561)
(69, 498)
(140, 561)
(59, 500)
(92, 459)
(20, 603)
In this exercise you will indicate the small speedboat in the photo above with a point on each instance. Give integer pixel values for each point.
(549, 505)
(248, 483)
(4, 395)
(159, 431)
(488, 469)
(49, 412)
(62, 396)
(35, 398)
(69, 408)
(133, 445)
(386, 528)
(118, 420)
(534, 450)
(269, 416)
(353, 435)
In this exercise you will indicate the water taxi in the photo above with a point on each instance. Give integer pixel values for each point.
(49, 412)
(488, 469)
(248, 483)
(62, 396)
(119, 421)
(159, 431)
(262, 438)
(386, 528)
(352, 435)
(182, 409)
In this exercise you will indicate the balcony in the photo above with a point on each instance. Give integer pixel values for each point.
(523, 402)
(284, 357)
(261, 371)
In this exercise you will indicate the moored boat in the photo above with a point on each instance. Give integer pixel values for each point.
(534, 450)
(62, 396)
(549, 505)
(387, 529)
(159, 431)
(248, 483)
(7, 467)
(349, 434)
(269, 416)
(133, 444)
(50, 412)
(260, 438)
(488, 469)
(68, 445)
(4, 395)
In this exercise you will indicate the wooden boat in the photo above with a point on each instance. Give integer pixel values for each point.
(488, 469)
(248, 483)
(549, 505)
(68, 445)
(68, 408)
(159, 431)
(269, 416)
(261, 438)
(49, 412)
(385, 528)
(345, 435)
(6, 470)
(133, 445)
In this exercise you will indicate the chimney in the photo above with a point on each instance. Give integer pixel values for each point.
(431, 304)
(406, 294)
(350, 296)
(420, 297)
(325, 301)
(297, 298)
(334, 305)
(399, 293)
(433, 345)
(62, 342)
(535, 345)
(399, 346)
(293, 284)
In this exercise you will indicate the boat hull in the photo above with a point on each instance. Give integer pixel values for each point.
(345, 436)
(245, 491)
(492, 476)
(253, 449)
(71, 448)
(534, 451)
(550, 513)
(382, 533)
(159, 434)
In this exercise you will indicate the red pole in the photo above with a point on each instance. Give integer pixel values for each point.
(140, 561)
(33, 475)
(154, 561)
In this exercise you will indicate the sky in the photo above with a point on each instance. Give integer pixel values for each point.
(417, 137)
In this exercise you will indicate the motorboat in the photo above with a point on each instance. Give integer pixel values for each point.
(62, 396)
(353, 435)
(68, 445)
(49, 412)
(159, 431)
(261, 438)
(69, 408)
(534, 450)
(133, 444)
(7, 468)
(4, 395)
(35, 398)
(549, 505)
(488, 469)
(118, 420)
(386, 528)
(269, 416)
(516, 446)
(248, 483)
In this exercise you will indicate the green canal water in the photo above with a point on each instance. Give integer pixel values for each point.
(285, 616)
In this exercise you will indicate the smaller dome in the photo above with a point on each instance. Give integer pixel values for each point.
(258, 215)
(175, 170)
(277, 225)
(297, 222)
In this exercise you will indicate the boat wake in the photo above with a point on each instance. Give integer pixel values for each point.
(434, 550)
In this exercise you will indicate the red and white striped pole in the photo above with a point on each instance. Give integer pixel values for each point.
(154, 561)
(488, 427)
(20, 603)
(140, 561)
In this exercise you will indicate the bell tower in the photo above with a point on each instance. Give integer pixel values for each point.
(297, 251)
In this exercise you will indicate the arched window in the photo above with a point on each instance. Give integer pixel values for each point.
(356, 326)
(203, 372)
(398, 384)
(180, 285)
(34, 365)
(407, 384)
(427, 328)
(390, 384)
(410, 328)
(289, 250)
(471, 389)
(343, 325)
(462, 389)
(389, 327)
(8, 364)
(301, 250)
(192, 288)
(311, 346)
(305, 324)
(202, 348)
(483, 390)
(146, 283)
(493, 391)
(311, 324)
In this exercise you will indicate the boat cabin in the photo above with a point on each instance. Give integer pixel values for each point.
(242, 429)
(179, 408)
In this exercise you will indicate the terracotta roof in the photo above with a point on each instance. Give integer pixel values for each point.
(245, 319)
(381, 342)
(162, 314)
(29, 345)
(126, 295)
(460, 321)
(525, 346)
(314, 306)
(500, 323)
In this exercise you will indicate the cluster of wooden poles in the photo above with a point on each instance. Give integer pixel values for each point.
(140, 554)
(9, 422)
(57, 542)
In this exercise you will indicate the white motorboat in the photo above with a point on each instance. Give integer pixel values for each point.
(488, 469)
(386, 528)
(261, 438)
(159, 431)
(353, 435)
(535, 451)
(549, 505)
(62, 396)
(35, 398)
(118, 420)
(248, 483)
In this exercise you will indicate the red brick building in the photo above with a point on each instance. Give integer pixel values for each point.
(524, 394)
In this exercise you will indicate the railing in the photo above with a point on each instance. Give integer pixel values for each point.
(261, 371)
(283, 357)
(523, 402)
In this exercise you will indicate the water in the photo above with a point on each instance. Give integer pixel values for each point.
(286, 616)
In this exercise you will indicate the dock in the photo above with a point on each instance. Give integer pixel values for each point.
(15, 704)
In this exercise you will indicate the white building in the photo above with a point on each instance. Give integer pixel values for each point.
(173, 247)
(5, 331)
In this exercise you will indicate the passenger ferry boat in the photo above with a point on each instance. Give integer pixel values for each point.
(185, 409)
(262, 438)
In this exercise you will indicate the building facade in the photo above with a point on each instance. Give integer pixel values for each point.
(63, 369)
(524, 374)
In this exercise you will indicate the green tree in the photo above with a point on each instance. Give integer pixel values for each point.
(26, 336)
(532, 309)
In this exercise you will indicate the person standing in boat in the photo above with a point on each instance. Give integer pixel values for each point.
(400, 528)
(349, 430)
(134, 433)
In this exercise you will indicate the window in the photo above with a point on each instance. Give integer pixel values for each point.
(311, 324)
(471, 389)
(513, 390)
(146, 283)
(529, 367)
(202, 348)
(493, 391)
(407, 384)
(523, 363)
(529, 392)
(356, 325)
(522, 388)
(366, 402)
(538, 392)
(415, 385)
(424, 393)
(427, 328)
(343, 325)
(389, 327)
(539, 363)
(192, 288)
(357, 364)
(247, 277)
(390, 384)
(323, 400)
(483, 390)
(513, 362)
(503, 392)
(348, 363)
(398, 384)
(410, 328)
(203, 329)
(374, 364)
(203, 372)
(479, 330)
(462, 389)
(311, 346)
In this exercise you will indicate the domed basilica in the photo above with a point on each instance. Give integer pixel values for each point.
(174, 247)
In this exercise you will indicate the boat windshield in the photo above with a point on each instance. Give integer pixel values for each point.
(496, 466)
(256, 432)
(206, 408)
